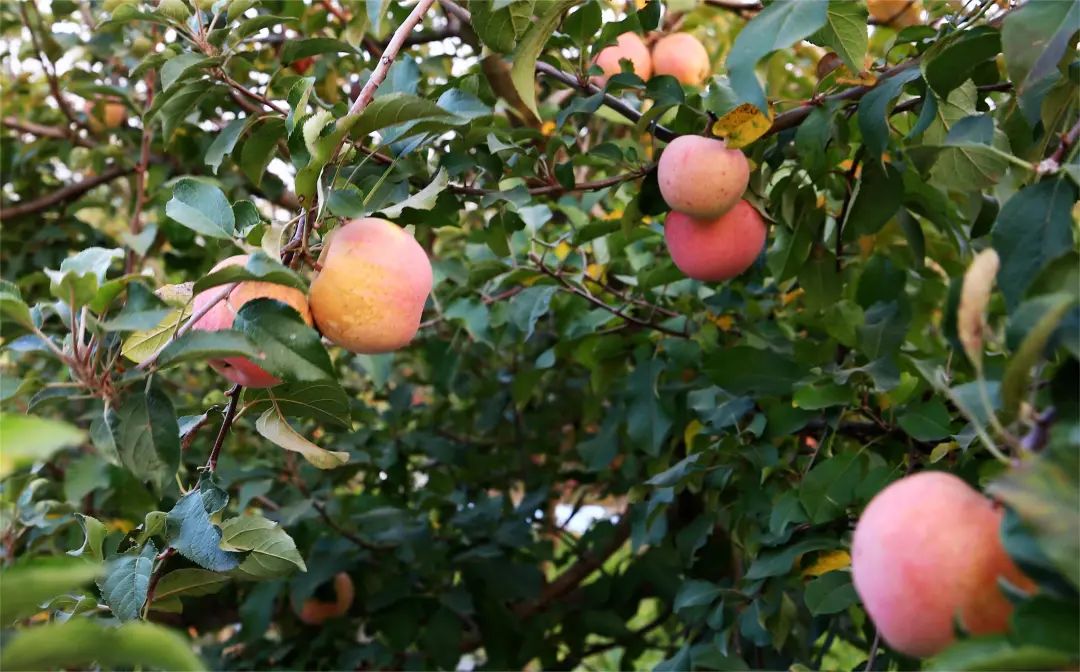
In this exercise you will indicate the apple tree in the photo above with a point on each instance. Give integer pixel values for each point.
(551, 334)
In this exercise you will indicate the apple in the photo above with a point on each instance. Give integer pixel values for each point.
(715, 249)
(701, 177)
(242, 370)
(682, 56)
(317, 612)
(371, 289)
(927, 551)
(628, 46)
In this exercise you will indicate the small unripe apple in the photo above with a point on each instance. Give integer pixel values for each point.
(371, 291)
(701, 176)
(317, 612)
(105, 114)
(927, 551)
(141, 46)
(242, 370)
(628, 46)
(177, 10)
(896, 13)
(715, 249)
(682, 56)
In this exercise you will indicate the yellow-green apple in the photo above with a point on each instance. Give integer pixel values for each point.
(927, 553)
(241, 369)
(701, 177)
(371, 289)
(715, 249)
(682, 56)
(628, 46)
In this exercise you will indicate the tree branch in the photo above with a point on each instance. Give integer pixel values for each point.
(70, 192)
(560, 189)
(45, 131)
(226, 424)
(46, 65)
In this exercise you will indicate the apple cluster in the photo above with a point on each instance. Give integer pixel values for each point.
(367, 296)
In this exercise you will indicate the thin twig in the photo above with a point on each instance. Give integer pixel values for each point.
(47, 65)
(849, 182)
(560, 189)
(226, 423)
(46, 132)
(140, 174)
(63, 195)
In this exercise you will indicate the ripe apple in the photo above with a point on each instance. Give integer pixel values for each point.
(715, 249)
(302, 65)
(701, 177)
(927, 551)
(317, 612)
(371, 291)
(628, 46)
(241, 369)
(682, 56)
(896, 13)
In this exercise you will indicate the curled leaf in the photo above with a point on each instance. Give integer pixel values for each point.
(974, 296)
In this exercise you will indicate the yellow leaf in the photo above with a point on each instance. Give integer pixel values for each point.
(743, 125)
(974, 297)
(548, 127)
(692, 430)
(788, 297)
(941, 450)
(828, 562)
(724, 322)
(864, 78)
(562, 250)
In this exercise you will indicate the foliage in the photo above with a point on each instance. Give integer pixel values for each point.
(584, 458)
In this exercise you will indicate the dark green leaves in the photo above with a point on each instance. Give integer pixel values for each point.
(951, 61)
(258, 267)
(294, 50)
(272, 552)
(779, 25)
(845, 32)
(24, 588)
(499, 25)
(1033, 228)
(1034, 38)
(323, 401)
(874, 108)
(294, 351)
(260, 146)
(830, 593)
(204, 345)
(523, 69)
(147, 436)
(745, 369)
(126, 581)
(192, 534)
(529, 306)
(202, 208)
(927, 421)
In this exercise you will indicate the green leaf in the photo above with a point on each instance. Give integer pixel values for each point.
(260, 146)
(647, 422)
(202, 208)
(272, 551)
(25, 587)
(879, 194)
(80, 642)
(696, 593)
(255, 24)
(223, 144)
(189, 582)
(194, 536)
(184, 66)
(779, 25)
(421, 200)
(294, 50)
(500, 28)
(821, 282)
(1017, 377)
(198, 346)
(1034, 38)
(830, 486)
(12, 305)
(845, 32)
(323, 401)
(926, 421)
(80, 276)
(997, 653)
(745, 369)
(142, 345)
(1033, 228)
(523, 68)
(126, 581)
(258, 267)
(950, 62)
(27, 439)
(830, 593)
(874, 110)
(529, 306)
(293, 351)
(776, 562)
(147, 436)
(143, 310)
(398, 108)
(94, 532)
(274, 428)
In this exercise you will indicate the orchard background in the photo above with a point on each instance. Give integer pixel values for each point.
(584, 460)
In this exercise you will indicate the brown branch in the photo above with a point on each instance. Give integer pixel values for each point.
(600, 303)
(63, 195)
(385, 61)
(140, 174)
(560, 189)
(849, 183)
(576, 573)
(45, 131)
(46, 65)
(226, 424)
(1067, 140)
